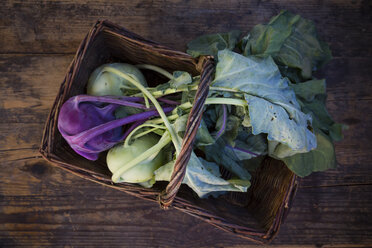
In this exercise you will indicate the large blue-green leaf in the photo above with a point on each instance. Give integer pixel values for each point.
(180, 79)
(311, 96)
(202, 177)
(292, 41)
(309, 89)
(224, 155)
(272, 104)
(319, 159)
(249, 146)
(321, 118)
(210, 44)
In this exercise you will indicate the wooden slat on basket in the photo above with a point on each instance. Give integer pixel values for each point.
(255, 215)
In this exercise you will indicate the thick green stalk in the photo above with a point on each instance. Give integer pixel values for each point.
(223, 89)
(159, 93)
(212, 100)
(147, 132)
(228, 101)
(155, 68)
(184, 106)
(126, 142)
(174, 137)
(147, 104)
(159, 120)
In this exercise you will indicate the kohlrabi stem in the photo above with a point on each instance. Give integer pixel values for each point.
(223, 89)
(227, 101)
(159, 93)
(157, 69)
(224, 117)
(167, 101)
(184, 106)
(188, 105)
(109, 99)
(146, 102)
(126, 143)
(131, 128)
(85, 136)
(147, 132)
(160, 120)
(164, 140)
(243, 150)
(175, 139)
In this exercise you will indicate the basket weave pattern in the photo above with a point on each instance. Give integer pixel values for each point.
(255, 215)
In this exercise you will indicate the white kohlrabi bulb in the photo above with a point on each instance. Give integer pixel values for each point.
(104, 83)
(120, 155)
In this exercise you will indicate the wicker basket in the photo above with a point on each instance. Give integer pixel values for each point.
(255, 215)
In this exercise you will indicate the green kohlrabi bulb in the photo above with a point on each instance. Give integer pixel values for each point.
(104, 83)
(120, 155)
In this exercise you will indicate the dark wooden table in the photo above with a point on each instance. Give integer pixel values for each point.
(41, 205)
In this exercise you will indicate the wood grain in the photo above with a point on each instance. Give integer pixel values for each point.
(41, 205)
(43, 209)
(34, 26)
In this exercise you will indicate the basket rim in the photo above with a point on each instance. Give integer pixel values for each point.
(151, 194)
(188, 208)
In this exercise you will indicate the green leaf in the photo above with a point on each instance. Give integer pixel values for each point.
(222, 116)
(278, 150)
(220, 120)
(203, 137)
(180, 125)
(211, 115)
(181, 79)
(231, 130)
(335, 131)
(309, 89)
(241, 183)
(164, 172)
(319, 159)
(311, 96)
(272, 104)
(163, 87)
(210, 44)
(292, 41)
(248, 146)
(220, 153)
(238, 159)
(202, 177)
(321, 118)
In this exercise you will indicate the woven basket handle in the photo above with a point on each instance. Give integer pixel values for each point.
(207, 69)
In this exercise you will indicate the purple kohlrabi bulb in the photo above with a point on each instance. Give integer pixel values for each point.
(89, 126)
(76, 116)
